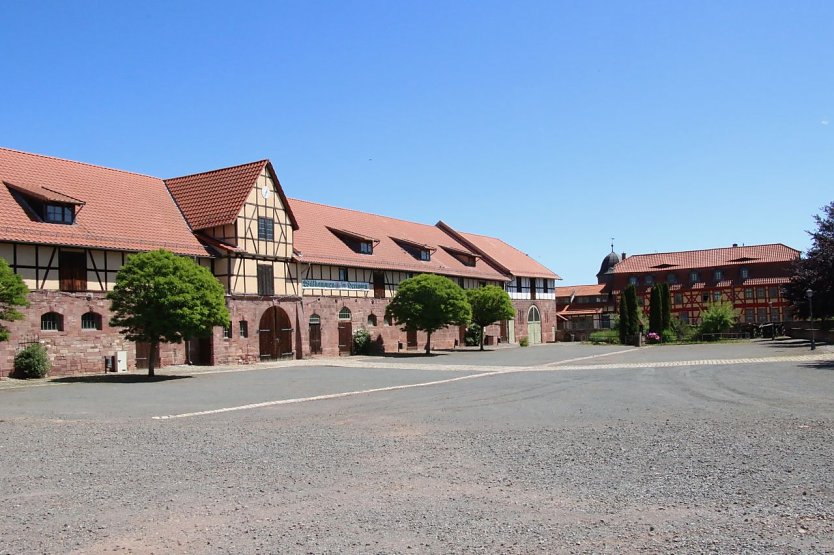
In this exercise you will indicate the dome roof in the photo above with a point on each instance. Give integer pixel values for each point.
(608, 263)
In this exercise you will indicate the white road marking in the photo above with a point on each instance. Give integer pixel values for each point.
(322, 397)
(501, 370)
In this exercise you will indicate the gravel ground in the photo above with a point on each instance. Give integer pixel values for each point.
(693, 459)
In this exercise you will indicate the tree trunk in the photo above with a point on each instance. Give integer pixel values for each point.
(152, 357)
(482, 338)
(428, 343)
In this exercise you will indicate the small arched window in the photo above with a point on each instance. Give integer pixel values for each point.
(91, 321)
(387, 321)
(372, 320)
(533, 315)
(315, 320)
(52, 321)
(344, 314)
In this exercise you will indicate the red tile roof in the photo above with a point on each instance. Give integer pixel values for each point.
(581, 290)
(215, 198)
(708, 258)
(506, 257)
(122, 210)
(579, 311)
(318, 244)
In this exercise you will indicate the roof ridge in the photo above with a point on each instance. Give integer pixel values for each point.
(88, 164)
(263, 161)
(292, 199)
(711, 249)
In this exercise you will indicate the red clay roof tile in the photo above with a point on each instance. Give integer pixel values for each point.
(318, 244)
(706, 258)
(517, 262)
(122, 210)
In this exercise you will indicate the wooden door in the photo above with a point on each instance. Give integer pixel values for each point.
(411, 339)
(379, 285)
(504, 333)
(72, 271)
(274, 334)
(534, 326)
(345, 337)
(199, 351)
(315, 338)
(143, 351)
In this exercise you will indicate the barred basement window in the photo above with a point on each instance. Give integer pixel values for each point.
(91, 321)
(244, 328)
(52, 321)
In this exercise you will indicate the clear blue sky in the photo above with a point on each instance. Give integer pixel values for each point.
(553, 125)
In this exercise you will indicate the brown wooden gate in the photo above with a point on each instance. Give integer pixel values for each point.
(345, 337)
(275, 334)
(143, 351)
(411, 339)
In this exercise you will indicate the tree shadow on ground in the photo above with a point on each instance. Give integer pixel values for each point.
(788, 343)
(117, 378)
(819, 365)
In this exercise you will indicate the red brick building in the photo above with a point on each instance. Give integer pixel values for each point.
(749, 277)
(299, 277)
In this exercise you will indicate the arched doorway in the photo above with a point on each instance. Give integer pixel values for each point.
(275, 334)
(534, 325)
(315, 334)
(345, 331)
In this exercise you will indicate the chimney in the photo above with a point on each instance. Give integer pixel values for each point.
(623, 257)
(735, 244)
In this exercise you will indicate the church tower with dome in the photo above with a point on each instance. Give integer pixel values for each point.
(606, 269)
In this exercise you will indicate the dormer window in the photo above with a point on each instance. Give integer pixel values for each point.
(42, 204)
(58, 214)
(366, 247)
(417, 250)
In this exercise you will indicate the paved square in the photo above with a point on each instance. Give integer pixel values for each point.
(558, 448)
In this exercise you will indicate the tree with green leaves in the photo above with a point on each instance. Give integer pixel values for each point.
(630, 294)
(429, 302)
(665, 307)
(815, 270)
(13, 294)
(718, 317)
(489, 305)
(624, 323)
(160, 297)
(655, 311)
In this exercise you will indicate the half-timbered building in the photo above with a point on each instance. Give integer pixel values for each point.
(299, 277)
(66, 229)
(530, 285)
(750, 277)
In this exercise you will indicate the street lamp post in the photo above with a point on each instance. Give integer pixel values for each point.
(810, 294)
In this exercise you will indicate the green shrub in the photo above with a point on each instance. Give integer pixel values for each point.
(611, 337)
(472, 337)
(32, 362)
(523, 342)
(669, 336)
(361, 342)
(718, 317)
